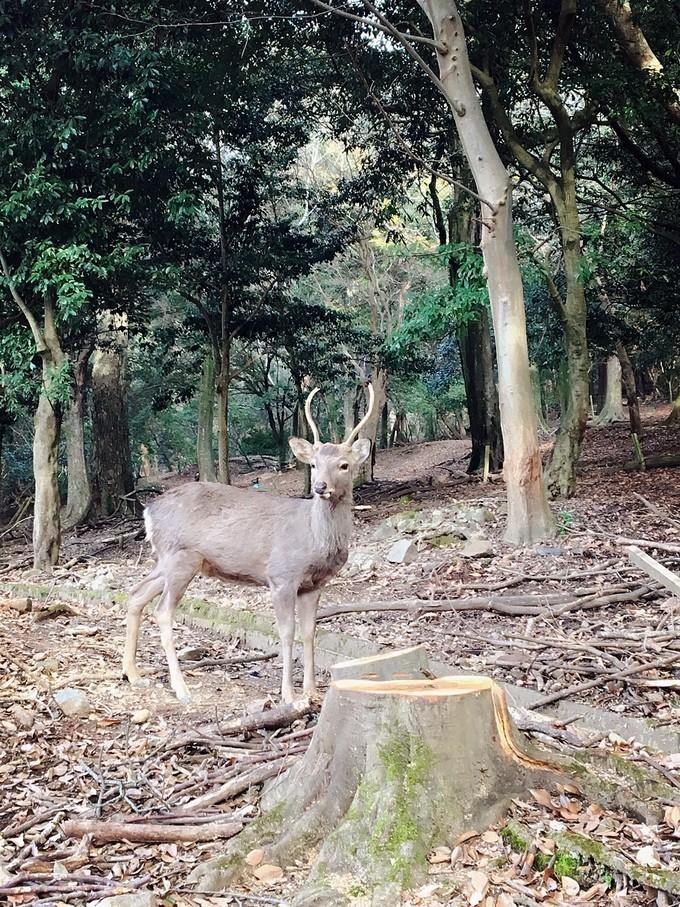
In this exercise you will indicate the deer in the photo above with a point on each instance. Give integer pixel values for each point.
(293, 546)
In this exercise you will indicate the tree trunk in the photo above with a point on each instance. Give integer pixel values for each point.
(223, 383)
(674, 417)
(349, 409)
(375, 792)
(538, 397)
(111, 459)
(631, 390)
(529, 517)
(79, 493)
(47, 506)
(47, 430)
(612, 410)
(206, 417)
(370, 430)
(384, 426)
(561, 472)
(476, 356)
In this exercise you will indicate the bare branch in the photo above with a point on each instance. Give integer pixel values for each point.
(383, 25)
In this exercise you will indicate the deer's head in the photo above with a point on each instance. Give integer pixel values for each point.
(333, 465)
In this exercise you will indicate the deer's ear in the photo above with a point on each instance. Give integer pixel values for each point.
(302, 449)
(360, 450)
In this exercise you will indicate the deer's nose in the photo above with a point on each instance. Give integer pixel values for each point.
(320, 487)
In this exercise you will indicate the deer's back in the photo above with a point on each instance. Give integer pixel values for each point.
(232, 530)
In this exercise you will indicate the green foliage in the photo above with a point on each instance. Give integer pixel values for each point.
(435, 313)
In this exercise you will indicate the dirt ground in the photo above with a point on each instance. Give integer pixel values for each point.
(119, 762)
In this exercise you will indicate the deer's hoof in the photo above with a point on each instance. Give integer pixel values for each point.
(184, 696)
(138, 681)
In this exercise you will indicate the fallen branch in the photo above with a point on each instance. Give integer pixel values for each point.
(149, 832)
(279, 716)
(603, 678)
(509, 605)
(646, 543)
(238, 785)
(660, 461)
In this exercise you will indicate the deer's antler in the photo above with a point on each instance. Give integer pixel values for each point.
(369, 412)
(310, 418)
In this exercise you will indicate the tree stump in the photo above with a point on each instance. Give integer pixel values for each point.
(395, 768)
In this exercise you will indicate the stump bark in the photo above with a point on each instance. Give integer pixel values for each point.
(395, 768)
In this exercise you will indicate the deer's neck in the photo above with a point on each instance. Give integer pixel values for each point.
(331, 525)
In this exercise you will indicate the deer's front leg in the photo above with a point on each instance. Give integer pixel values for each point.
(308, 603)
(283, 598)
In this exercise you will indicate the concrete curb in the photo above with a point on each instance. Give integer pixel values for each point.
(258, 631)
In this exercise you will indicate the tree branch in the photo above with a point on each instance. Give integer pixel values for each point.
(383, 25)
(565, 25)
(407, 148)
(649, 163)
(636, 49)
(40, 344)
(524, 157)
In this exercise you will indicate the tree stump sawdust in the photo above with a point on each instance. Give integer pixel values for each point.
(395, 768)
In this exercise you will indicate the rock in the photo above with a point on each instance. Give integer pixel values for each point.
(477, 515)
(268, 872)
(137, 899)
(22, 716)
(20, 605)
(445, 540)
(5, 875)
(255, 857)
(407, 521)
(102, 582)
(361, 561)
(193, 653)
(548, 551)
(73, 703)
(141, 716)
(403, 552)
(83, 630)
(477, 548)
(384, 531)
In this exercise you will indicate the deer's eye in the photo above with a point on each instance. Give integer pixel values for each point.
(313, 465)
(344, 466)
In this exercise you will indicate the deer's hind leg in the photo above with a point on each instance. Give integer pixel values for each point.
(176, 582)
(307, 604)
(140, 597)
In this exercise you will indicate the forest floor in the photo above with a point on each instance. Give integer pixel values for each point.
(582, 615)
